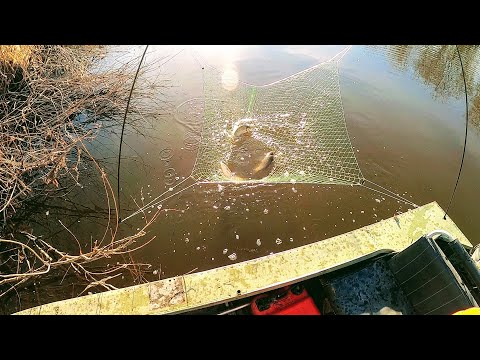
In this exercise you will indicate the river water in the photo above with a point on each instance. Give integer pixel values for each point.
(404, 108)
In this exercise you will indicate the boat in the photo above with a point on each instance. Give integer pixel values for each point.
(415, 263)
(435, 275)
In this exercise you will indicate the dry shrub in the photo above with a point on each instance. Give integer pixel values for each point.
(51, 102)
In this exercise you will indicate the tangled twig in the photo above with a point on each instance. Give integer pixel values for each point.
(50, 104)
(50, 101)
(51, 258)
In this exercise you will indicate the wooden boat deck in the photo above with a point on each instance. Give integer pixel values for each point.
(193, 291)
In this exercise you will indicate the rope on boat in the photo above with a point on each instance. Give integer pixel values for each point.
(388, 193)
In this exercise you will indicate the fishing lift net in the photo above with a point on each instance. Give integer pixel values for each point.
(299, 118)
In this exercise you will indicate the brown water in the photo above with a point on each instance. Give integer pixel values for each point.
(405, 114)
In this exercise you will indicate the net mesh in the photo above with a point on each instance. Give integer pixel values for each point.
(299, 118)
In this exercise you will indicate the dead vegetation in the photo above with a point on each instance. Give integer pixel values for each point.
(33, 257)
(47, 97)
(50, 103)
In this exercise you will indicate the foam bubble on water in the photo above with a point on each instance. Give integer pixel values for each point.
(170, 189)
(237, 236)
(227, 207)
(291, 239)
(187, 240)
(232, 256)
(265, 211)
(377, 200)
(215, 207)
(224, 251)
(278, 241)
(259, 242)
(294, 190)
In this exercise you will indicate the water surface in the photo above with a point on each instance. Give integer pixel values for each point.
(405, 114)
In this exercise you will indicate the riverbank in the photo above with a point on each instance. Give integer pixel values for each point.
(52, 104)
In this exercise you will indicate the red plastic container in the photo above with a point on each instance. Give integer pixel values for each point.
(292, 300)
